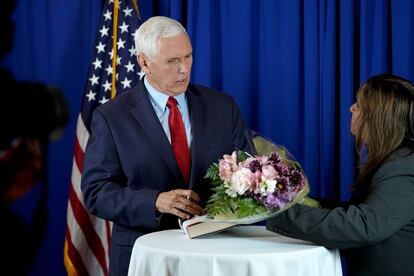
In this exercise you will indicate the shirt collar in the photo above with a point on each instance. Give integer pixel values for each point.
(160, 98)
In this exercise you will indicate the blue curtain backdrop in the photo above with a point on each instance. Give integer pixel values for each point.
(293, 67)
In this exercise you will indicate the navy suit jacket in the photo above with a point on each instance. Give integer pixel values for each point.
(129, 161)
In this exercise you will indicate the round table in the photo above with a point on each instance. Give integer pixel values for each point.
(239, 251)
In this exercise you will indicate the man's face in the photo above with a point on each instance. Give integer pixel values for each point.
(169, 70)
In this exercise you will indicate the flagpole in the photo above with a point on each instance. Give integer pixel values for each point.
(114, 37)
(134, 2)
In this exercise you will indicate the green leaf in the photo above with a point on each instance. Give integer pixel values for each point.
(221, 204)
(212, 172)
(241, 156)
(248, 207)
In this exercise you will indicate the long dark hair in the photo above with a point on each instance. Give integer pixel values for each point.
(386, 121)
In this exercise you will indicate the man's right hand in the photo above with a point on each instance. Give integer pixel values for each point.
(182, 203)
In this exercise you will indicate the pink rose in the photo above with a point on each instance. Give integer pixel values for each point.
(269, 172)
(241, 181)
(227, 166)
(262, 159)
(245, 163)
(257, 178)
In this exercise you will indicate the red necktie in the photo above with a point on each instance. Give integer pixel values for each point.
(179, 138)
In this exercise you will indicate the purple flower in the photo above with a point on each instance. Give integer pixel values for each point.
(282, 169)
(282, 183)
(274, 159)
(271, 201)
(297, 178)
(274, 201)
(254, 166)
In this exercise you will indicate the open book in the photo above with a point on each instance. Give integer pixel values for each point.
(202, 225)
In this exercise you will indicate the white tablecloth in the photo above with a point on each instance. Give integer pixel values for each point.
(240, 251)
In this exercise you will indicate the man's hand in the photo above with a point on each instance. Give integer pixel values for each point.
(182, 203)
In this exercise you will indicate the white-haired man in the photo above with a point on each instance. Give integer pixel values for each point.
(150, 147)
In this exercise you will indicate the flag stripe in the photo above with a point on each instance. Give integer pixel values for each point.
(82, 134)
(85, 252)
(78, 155)
(76, 264)
(84, 222)
(76, 180)
(102, 227)
(108, 227)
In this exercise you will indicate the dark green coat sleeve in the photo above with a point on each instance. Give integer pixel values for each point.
(388, 208)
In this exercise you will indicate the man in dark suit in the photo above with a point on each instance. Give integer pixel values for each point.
(134, 175)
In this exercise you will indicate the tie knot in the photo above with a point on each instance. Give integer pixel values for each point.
(171, 102)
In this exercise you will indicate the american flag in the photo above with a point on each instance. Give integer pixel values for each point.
(88, 238)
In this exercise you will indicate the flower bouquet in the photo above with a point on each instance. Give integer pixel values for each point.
(248, 189)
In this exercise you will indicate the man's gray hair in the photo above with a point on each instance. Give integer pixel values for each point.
(146, 37)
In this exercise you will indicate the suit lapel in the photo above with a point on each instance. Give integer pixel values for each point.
(197, 118)
(146, 117)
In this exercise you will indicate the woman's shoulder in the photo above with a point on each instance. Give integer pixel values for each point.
(400, 162)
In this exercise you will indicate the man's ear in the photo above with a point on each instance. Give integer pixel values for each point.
(143, 63)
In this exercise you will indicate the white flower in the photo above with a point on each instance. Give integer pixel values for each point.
(267, 186)
(241, 181)
(271, 186)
